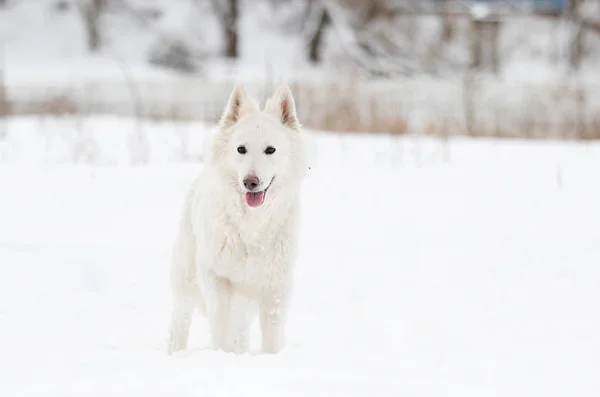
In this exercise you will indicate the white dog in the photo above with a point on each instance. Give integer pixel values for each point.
(237, 241)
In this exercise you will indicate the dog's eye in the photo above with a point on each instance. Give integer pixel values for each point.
(269, 150)
(241, 149)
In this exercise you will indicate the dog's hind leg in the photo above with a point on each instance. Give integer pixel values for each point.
(181, 321)
(186, 294)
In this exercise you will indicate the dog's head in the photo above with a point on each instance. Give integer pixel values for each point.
(260, 153)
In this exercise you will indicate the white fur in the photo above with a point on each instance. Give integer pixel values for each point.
(230, 260)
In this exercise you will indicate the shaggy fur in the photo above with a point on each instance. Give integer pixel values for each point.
(232, 260)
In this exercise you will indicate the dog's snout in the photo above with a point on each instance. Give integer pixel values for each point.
(251, 182)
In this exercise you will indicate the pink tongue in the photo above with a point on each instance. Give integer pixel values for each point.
(255, 199)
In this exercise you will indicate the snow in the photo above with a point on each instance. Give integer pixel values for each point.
(480, 11)
(466, 268)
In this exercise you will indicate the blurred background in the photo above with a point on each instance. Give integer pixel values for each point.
(450, 239)
(503, 68)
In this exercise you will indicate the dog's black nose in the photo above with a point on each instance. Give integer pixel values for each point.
(251, 182)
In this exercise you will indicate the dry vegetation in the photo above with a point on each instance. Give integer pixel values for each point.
(360, 107)
(345, 108)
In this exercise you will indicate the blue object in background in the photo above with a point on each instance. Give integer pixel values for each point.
(538, 5)
(549, 5)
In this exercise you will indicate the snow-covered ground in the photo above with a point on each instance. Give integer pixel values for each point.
(470, 268)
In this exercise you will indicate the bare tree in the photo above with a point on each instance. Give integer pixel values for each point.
(320, 18)
(4, 111)
(317, 38)
(309, 18)
(90, 11)
(227, 12)
(5, 105)
(578, 28)
(447, 25)
(359, 25)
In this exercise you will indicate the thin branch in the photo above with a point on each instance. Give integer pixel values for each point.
(379, 57)
(4, 111)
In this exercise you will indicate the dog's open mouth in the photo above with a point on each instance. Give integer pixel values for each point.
(256, 199)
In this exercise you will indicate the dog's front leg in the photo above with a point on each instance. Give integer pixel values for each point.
(217, 292)
(273, 316)
(241, 313)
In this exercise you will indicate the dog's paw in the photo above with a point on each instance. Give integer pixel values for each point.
(174, 347)
(272, 350)
(175, 342)
(238, 345)
(273, 345)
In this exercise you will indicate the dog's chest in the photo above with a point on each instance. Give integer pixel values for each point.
(259, 261)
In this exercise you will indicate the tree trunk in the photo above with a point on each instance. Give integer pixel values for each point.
(576, 51)
(231, 29)
(90, 11)
(316, 40)
(475, 44)
(494, 28)
(447, 25)
(447, 29)
(4, 110)
(577, 28)
(93, 35)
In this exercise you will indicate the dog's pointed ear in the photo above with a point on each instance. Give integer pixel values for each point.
(239, 103)
(282, 106)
